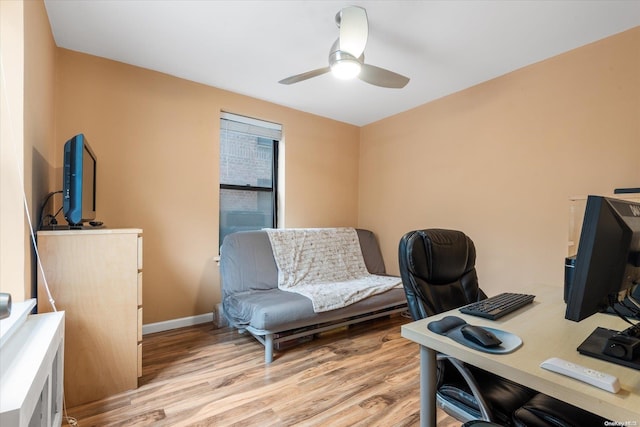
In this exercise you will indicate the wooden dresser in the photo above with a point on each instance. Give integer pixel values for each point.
(95, 276)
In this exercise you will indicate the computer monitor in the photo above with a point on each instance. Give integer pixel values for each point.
(607, 266)
(607, 274)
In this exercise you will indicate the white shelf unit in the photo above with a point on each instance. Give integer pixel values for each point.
(31, 367)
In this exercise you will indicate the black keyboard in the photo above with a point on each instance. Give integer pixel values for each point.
(497, 306)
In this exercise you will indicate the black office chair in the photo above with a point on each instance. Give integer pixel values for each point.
(545, 411)
(438, 274)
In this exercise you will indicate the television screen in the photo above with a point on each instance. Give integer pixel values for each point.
(79, 181)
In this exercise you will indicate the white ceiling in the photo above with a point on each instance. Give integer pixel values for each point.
(248, 46)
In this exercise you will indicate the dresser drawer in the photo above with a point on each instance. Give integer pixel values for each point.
(139, 359)
(139, 324)
(139, 252)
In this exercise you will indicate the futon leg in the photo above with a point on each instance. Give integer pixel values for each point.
(268, 348)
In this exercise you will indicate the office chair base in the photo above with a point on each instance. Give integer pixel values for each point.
(455, 411)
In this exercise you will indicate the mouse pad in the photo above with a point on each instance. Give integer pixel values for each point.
(450, 326)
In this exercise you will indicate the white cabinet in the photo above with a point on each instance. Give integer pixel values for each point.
(31, 367)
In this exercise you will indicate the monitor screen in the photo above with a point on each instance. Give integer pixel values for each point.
(88, 183)
(608, 261)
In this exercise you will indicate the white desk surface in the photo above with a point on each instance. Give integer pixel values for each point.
(545, 333)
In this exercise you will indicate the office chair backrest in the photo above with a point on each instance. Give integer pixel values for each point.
(438, 271)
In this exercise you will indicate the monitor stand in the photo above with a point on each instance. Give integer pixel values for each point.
(602, 339)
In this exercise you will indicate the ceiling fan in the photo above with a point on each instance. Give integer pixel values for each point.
(346, 57)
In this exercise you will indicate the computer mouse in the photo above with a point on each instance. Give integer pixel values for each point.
(480, 336)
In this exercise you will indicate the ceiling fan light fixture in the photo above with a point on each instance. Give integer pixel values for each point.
(343, 65)
(346, 69)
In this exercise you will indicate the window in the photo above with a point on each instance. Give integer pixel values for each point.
(248, 174)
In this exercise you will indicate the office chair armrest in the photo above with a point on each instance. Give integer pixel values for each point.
(471, 382)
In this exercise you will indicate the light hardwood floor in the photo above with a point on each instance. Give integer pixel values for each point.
(364, 375)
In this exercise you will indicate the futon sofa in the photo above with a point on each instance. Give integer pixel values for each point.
(252, 301)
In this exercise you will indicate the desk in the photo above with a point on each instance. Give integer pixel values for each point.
(545, 333)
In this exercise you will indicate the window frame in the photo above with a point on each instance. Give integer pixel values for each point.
(274, 147)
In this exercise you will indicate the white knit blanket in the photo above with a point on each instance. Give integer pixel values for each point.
(325, 265)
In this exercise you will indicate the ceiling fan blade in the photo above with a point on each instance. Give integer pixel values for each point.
(380, 77)
(304, 76)
(354, 30)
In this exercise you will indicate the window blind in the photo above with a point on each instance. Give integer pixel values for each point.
(250, 126)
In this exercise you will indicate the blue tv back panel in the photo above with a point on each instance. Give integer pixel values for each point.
(72, 180)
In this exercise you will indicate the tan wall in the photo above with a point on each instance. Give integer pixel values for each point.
(28, 58)
(500, 160)
(39, 116)
(156, 139)
(12, 228)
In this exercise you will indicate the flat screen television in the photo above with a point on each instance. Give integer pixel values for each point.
(78, 182)
(607, 266)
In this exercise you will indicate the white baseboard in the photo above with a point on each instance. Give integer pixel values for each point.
(176, 323)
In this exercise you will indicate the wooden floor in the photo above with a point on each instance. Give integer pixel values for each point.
(364, 375)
